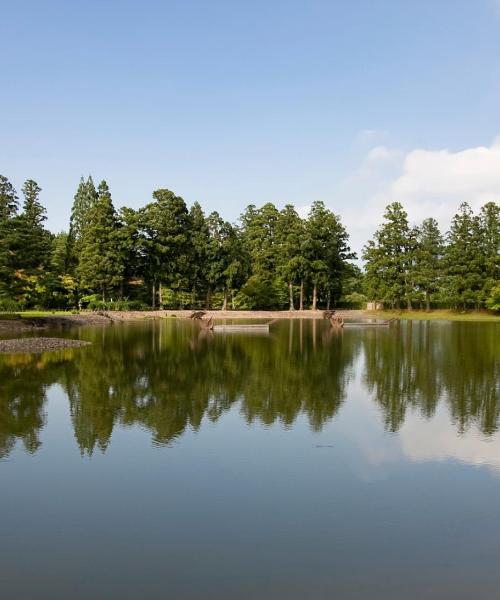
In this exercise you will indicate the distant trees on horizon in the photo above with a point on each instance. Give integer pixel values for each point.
(167, 254)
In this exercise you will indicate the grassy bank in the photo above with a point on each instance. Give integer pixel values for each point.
(434, 315)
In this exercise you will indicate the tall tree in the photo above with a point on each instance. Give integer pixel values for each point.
(464, 260)
(428, 259)
(166, 233)
(101, 268)
(326, 252)
(34, 240)
(388, 259)
(489, 223)
(8, 237)
(199, 243)
(8, 199)
(292, 264)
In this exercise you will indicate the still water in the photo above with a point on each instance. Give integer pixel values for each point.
(162, 462)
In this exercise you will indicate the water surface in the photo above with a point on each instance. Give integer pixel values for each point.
(309, 463)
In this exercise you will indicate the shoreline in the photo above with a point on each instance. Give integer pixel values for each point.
(26, 323)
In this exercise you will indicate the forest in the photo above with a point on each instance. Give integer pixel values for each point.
(169, 255)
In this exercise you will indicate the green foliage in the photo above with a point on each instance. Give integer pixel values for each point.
(464, 260)
(389, 259)
(493, 301)
(100, 266)
(167, 255)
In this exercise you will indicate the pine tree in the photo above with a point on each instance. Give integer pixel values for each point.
(100, 268)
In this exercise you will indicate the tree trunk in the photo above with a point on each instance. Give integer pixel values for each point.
(427, 302)
(328, 300)
(160, 293)
(209, 298)
(154, 295)
(290, 290)
(301, 302)
(315, 297)
(408, 303)
(224, 303)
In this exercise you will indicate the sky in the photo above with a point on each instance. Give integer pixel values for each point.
(356, 102)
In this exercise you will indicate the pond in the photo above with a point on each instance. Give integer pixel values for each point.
(166, 462)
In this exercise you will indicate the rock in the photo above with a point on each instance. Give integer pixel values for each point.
(38, 344)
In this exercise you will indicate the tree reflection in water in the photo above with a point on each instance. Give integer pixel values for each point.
(166, 376)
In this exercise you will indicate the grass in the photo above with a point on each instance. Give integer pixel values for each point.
(30, 314)
(435, 315)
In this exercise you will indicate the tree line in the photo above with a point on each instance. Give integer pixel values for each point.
(169, 255)
(419, 266)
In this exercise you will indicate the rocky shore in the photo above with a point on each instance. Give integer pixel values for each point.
(38, 344)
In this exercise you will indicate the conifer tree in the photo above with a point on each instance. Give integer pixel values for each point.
(428, 260)
(464, 260)
(8, 199)
(199, 242)
(326, 251)
(387, 259)
(100, 268)
(291, 266)
(8, 237)
(34, 241)
(165, 227)
(489, 223)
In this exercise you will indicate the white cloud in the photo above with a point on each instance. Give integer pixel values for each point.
(437, 440)
(427, 183)
(381, 154)
(470, 173)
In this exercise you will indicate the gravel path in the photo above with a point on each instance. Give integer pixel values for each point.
(38, 344)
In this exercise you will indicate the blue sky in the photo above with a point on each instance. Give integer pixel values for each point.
(230, 103)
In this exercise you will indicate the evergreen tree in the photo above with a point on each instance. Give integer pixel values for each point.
(33, 211)
(84, 201)
(388, 259)
(166, 234)
(428, 260)
(292, 264)
(259, 229)
(234, 264)
(489, 223)
(8, 199)
(199, 243)
(85, 198)
(464, 260)
(34, 241)
(8, 212)
(326, 252)
(100, 268)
